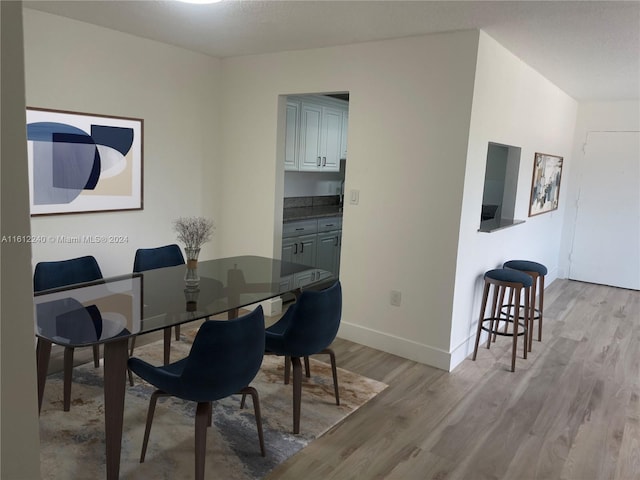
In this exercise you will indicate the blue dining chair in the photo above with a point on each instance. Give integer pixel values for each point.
(48, 275)
(225, 357)
(152, 258)
(307, 328)
(159, 257)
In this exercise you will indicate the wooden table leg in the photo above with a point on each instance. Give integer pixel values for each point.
(115, 369)
(43, 352)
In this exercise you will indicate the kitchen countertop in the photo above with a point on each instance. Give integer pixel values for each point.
(308, 213)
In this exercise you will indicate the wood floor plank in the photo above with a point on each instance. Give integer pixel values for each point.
(571, 410)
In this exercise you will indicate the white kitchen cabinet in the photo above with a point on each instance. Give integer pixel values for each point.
(315, 137)
(292, 139)
(320, 137)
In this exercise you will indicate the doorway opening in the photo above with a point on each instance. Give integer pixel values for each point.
(315, 162)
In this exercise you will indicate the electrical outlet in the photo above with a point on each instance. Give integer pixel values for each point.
(395, 298)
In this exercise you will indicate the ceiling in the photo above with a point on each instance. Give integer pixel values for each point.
(589, 49)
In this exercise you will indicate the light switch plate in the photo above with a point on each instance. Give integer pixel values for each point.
(354, 197)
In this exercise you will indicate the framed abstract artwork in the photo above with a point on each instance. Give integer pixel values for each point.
(545, 183)
(82, 162)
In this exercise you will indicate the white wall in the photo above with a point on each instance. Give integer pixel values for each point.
(75, 66)
(512, 105)
(620, 116)
(409, 110)
(19, 447)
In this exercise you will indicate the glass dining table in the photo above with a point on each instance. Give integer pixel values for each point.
(114, 310)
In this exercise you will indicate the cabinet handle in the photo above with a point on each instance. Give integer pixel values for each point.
(299, 229)
(328, 224)
(324, 161)
(302, 248)
(318, 162)
(295, 252)
(336, 241)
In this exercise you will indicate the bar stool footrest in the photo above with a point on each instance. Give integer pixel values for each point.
(522, 328)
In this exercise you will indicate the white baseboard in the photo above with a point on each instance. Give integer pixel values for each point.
(402, 347)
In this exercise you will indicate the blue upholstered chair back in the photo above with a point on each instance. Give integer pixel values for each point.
(152, 258)
(314, 321)
(65, 272)
(225, 357)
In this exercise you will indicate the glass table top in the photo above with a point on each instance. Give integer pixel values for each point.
(133, 304)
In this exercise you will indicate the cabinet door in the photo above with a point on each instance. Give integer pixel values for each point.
(327, 255)
(310, 125)
(307, 250)
(343, 134)
(289, 249)
(331, 143)
(291, 136)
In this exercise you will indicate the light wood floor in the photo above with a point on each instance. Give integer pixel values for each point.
(571, 411)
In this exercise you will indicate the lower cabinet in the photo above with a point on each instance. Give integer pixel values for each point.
(301, 244)
(328, 251)
(300, 249)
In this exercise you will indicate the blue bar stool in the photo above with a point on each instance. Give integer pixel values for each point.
(537, 271)
(509, 287)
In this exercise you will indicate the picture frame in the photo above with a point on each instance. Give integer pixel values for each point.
(81, 162)
(545, 183)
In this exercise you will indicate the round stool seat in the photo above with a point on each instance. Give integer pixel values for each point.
(511, 276)
(526, 266)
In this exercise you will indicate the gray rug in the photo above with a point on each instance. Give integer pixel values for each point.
(72, 443)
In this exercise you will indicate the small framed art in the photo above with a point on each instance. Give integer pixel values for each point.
(545, 183)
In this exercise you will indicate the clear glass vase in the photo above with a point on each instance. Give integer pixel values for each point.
(191, 277)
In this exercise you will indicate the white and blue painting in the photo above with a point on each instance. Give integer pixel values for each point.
(81, 163)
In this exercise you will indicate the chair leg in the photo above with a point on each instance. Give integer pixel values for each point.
(203, 412)
(256, 411)
(485, 296)
(147, 428)
(297, 392)
(177, 332)
(532, 306)
(96, 356)
(132, 345)
(541, 307)
(68, 374)
(334, 371)
(167, 345)
(516, 322)
(307, 368)
(287, 369)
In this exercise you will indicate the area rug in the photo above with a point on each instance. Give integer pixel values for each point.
(72, 443)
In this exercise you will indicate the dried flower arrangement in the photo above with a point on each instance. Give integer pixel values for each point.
(193, 231)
